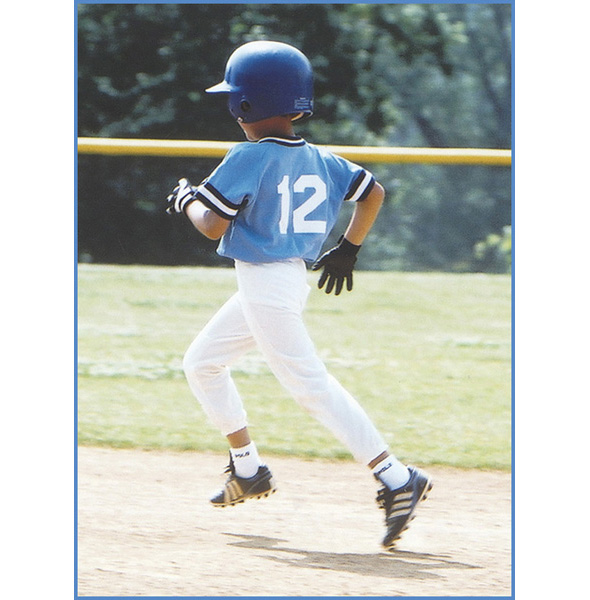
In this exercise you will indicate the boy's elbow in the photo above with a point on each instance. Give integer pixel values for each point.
(213, 231)
(379, 192)
(209, 224)
(376, 196)
(216, 226)
(209, 235)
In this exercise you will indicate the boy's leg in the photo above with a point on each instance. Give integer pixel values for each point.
(253, 481)
(244, 453)
(206, 364)
(273, 297)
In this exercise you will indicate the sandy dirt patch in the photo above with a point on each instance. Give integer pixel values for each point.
(145, 528)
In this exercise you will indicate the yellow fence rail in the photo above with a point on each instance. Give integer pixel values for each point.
(368, 154)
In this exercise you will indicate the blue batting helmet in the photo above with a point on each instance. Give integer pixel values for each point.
(265, 79)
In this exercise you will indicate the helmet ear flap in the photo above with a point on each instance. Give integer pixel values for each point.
(239, 106)
(266, 79)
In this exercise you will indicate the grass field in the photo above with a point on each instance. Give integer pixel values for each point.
(427, 355)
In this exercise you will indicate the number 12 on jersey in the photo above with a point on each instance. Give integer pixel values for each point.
(318, 195)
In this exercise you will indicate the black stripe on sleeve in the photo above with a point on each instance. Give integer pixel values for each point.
(356, 184)
(367, 191)
(221, 197)
(214, 208)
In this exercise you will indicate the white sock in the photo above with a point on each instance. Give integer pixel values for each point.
(392, 473)
(246, 460)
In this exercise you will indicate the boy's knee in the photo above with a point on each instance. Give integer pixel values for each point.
(197, 365)
(193, 361)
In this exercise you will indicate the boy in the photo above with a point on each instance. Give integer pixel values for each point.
(272, 202)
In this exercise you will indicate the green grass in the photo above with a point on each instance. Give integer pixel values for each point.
(427, 355)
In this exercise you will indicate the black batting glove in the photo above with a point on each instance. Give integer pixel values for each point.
(338, 264)
(182, 195)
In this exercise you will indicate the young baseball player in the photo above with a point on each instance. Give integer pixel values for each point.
(272, 202)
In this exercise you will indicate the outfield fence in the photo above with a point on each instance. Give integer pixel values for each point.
(368, 154)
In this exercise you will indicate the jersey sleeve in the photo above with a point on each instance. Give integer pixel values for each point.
(212, 198)
(354, 183)
(229, 187)
(361, 186)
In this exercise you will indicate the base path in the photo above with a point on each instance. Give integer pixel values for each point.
(145, 528)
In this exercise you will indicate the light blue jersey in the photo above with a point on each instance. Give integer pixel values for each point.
(282, 196)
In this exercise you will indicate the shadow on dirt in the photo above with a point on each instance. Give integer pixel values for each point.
(393, 565)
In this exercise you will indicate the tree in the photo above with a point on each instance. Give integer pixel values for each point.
(397, 74)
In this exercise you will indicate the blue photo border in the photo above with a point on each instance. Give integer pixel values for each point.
(75, 250)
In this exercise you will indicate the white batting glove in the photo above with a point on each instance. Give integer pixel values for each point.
(182, 195)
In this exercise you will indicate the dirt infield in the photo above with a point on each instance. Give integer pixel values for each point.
(145, 528)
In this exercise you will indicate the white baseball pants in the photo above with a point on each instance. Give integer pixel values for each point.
(266, 313)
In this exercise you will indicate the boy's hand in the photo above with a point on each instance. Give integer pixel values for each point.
(338, 264)
(182, 195)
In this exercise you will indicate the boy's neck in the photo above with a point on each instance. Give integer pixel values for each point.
(274, 127)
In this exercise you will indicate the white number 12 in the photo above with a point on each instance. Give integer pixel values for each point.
(300, 223)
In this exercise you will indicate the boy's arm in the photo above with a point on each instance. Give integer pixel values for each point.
(364, 215)
(183, 199)
(338, 263)
(210, 224)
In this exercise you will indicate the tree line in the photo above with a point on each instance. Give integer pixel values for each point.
(385, 74)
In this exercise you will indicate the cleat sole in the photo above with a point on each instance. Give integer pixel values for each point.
(254, 497)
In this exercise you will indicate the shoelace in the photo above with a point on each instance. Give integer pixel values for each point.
(383, 495)
(230, 468)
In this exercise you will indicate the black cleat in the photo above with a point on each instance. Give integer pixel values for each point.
(400, 504)
(238, 489)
